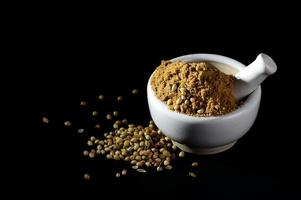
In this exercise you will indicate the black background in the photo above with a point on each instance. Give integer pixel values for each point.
(70, 59)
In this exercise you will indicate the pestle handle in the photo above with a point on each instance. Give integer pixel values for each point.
(248, 79)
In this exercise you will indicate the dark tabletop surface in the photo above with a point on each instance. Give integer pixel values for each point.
(261, 164)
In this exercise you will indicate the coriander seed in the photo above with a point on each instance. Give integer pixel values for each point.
(85, 153)
(67, 123)
(83, 103)
(101, 97)
(182, 154)
(89, 143)
(80, 130)
(45, 120)
(115, 113)
(92, 138)
(95, 113)
(124, 172)
(194, 164)
(109, 116)
(192, 174)
(91, 154)
(141, 170)
(168, 167)
(87, 176)
(135, 91)
(119, 98)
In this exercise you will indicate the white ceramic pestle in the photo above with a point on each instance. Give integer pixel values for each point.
(249, 78)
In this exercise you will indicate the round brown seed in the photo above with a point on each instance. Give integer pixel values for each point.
(192, 174)
(95, 113)
(85, 153)
(45, 120)
(124, 172)
(115, 113)
(119, 98)
(83, 103)
(101, 97)
(67, 123)
(194, 164)
(182, 154)
(168, 167)
(80, 130)
(135, 91)
(87, 176)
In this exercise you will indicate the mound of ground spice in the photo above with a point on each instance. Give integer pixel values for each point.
(196, 88)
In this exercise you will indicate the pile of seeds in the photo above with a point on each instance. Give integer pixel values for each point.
(138, 145)
(197, 89)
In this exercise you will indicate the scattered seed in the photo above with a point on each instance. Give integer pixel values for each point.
(115, 113)
(141, 170)
(194, 164)
(83, 103)
(119, 98)
(168, 167)
(92, 138)
(166, 162)
(80, 130)
(124, 172)
(97, 126)
(135, 91)
(159, 169)
(109, 116)
(118, 175)
(135, 167)
(101, 97)
(91, 154)
(85, 153)
(94, 113)
(45, 120)
(89, 143)
(124, 121)
(67, 123)
(192, 174)
(87, 176)
(182, 154)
